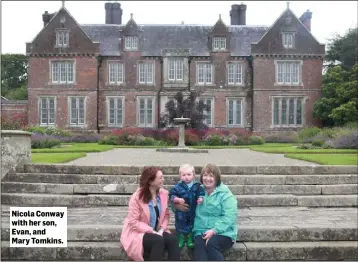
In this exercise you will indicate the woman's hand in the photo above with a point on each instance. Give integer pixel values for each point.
(207, 235)
(182, 207)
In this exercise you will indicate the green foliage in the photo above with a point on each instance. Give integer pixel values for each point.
(13, 73)
(318, 143)
(47, 143)
(18, 93)
(343, 49)
(256, 140)
(339, 104)
(48, 131)
(308, 132)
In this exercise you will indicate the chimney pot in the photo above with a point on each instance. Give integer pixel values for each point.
(113, 13)
(306, 19)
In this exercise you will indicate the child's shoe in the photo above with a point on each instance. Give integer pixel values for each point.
(189, 241)
(181, 240)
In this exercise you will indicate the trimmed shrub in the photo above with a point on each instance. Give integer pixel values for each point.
(344, 141)
(44, 141)
(306, 134)
(317, 142)
(256, 140)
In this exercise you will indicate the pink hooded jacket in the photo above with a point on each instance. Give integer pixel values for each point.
(136, 224)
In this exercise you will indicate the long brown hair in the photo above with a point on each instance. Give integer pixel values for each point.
(148, 175)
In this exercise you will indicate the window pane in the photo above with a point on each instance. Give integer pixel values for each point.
(149, 111)
(284, 112)
(171, 70)
(119, 112)
(149, 73)
(276, 111)
(141, 73)
(299, 112)
(291, 112)
(231, 112)
(73, 111)
(238, 112)
(111, 111)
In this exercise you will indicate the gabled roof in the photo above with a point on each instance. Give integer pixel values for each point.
(159, 37)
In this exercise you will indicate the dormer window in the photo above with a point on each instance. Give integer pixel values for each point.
(219, 43)
(62, 38)
(131, 43)
(288, 40)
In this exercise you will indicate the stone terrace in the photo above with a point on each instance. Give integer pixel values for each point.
(225, 157)
(285, 212)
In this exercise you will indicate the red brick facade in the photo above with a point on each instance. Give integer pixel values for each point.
(91, 72)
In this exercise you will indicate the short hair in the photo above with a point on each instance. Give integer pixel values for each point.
(213, 169)
(186, 166)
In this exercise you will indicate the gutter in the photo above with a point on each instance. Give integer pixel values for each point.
(99, 64)
(250, 60)
(159, 91)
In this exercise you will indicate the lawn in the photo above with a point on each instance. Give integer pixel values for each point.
(266, 145)
(290, 149)
(327, 159)
(75, 148)
(55, 157)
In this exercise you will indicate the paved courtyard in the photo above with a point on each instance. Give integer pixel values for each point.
(141, 156)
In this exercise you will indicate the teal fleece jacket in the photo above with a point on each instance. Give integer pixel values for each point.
(218, 211)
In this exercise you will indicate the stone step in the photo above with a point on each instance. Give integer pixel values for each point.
(23, 187)
(278, 251)
(135, 170)
(253, 179)
(28, 199)
(111, 233)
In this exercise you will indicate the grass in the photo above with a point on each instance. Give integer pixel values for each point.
(327, 159)
(55, 157)
(287, 149)
(75, 148)
(267, 145)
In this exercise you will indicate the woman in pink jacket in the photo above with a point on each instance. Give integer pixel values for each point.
(145, 232)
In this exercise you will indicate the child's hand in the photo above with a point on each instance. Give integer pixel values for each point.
(200, 200)
(179, 200)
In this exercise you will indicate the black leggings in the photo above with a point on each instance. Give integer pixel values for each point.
(154, 246)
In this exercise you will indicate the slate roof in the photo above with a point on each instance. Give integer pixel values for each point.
(158, 37)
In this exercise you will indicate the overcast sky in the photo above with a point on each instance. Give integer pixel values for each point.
(22, 20)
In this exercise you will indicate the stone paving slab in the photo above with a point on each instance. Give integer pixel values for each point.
(144, 156)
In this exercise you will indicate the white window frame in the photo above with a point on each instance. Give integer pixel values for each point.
(281, 105)
(219, 43)
(176, 70)
(288, 39)
(235, 74)
(77, 124)
(144, 71)
(47, 98)
(115, 72)
(131, 43)
(206, 68)
(235, 100)
(116, 109)
(146, 99)
(205, 100)
(62, 38)
(284, 70)
(60, 67)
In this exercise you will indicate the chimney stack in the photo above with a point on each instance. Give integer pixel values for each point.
(46, 18)
(238, 14)
(306, 19)
(113, 13)
(234, 15)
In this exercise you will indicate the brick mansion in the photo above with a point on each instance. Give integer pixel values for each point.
(98, 77)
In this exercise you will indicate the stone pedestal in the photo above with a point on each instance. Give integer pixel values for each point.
(15, 150)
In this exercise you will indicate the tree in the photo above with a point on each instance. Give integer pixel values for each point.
(13, 74)
(339, 103)
(343, 49)
(185, 107)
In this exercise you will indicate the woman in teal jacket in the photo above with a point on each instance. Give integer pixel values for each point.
(215, 228)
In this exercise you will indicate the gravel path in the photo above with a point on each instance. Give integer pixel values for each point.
(141, 156)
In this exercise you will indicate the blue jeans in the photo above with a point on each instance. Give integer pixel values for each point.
(213, 250)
